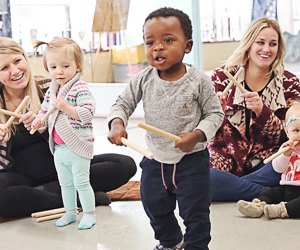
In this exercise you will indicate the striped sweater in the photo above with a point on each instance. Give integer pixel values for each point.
(76, 134)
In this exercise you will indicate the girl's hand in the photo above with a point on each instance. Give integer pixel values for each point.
(289, 143)
(3, 131)
(27, 119)
(37, 123)
(61, 104)
(253, 102)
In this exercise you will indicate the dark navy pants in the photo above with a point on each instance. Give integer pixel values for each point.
(192, 194)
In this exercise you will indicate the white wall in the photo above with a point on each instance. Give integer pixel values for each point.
(106, 94)
(82, 14)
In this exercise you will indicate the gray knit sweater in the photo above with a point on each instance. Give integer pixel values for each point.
(76, 134)
(180, 106)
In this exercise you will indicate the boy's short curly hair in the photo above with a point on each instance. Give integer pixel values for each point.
(183, 18)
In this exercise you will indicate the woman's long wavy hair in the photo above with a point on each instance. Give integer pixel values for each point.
(240, 54)
(10, 47)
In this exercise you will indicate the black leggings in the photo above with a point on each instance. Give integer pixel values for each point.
(18, 197)
(289, 194)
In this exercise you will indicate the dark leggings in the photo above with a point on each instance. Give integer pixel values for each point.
(289, 194)
(18, 197)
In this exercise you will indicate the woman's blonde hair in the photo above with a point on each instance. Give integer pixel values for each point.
(70, 47)
(10, 47)
(240, 54)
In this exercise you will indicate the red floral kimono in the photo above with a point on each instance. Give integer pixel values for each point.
(231, 150)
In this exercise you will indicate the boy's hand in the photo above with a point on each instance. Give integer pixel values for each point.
(189, 140)
(117, 131)
(27, 119)
(3, 131)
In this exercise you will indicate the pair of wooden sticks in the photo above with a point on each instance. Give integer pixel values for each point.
(153, 130)
(16, 113)
(233, 81)
(49, 214)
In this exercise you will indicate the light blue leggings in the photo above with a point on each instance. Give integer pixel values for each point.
(74, 174)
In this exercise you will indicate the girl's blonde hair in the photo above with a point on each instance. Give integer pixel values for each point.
(10, 47)
(294, 108)
(240, 54)
(70, 47)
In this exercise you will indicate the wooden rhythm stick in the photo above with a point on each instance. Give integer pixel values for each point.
(49, 217)
(228, 87)
(23, 103)
(48, 212)
(43, 119)
(158, 131)
(231, 78)
(137, 148)
(279, 152)
(7, 112)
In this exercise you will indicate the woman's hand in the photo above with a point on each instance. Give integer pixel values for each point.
(222, 99)
(3, 131)
(253, 102)
(27, 119)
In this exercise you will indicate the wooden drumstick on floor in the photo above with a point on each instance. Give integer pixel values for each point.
(158, 131)
(229, 86)
(49, 217)
(48, 212)
(43, 119)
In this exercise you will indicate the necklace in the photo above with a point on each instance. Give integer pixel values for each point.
(13, 106)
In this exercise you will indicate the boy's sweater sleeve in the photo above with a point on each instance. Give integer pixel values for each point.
(126, 102)
(212, 113)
